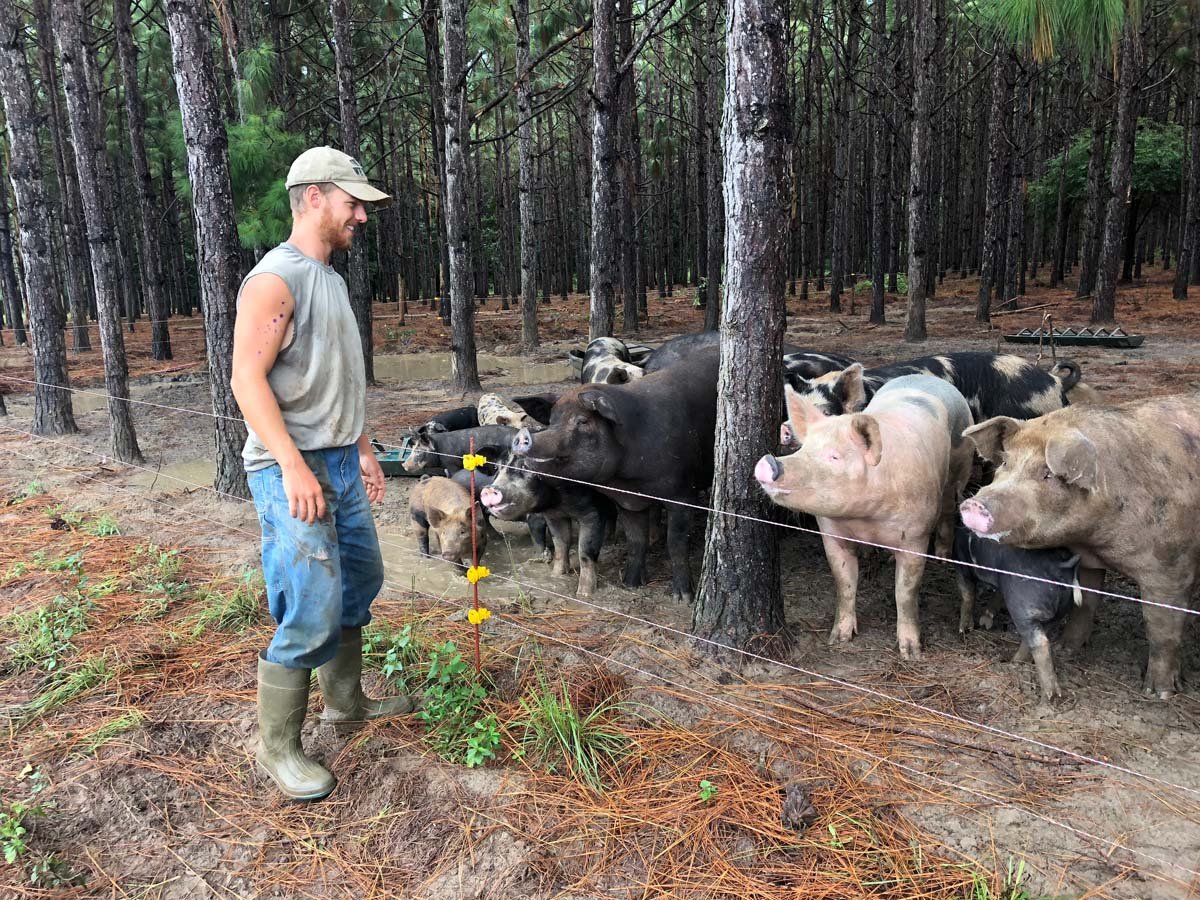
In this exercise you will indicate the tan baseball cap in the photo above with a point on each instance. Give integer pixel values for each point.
(321, 164)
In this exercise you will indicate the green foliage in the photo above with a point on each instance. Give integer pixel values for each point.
(30, 490)
(558, 737)
(1047, 28)
(1157, 165)
(1012, 887)
(111, 730)
(157, 571)
(46, 871)
(66, 685)
(235, 610)
(102, 526)
(45, 635)
(397, 654)
(708, 790)
(458, 729)
(865, 285)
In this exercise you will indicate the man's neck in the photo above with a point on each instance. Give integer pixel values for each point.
(310, 244)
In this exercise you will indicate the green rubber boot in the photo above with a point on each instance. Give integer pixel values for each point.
(346, 706)
(282, 705)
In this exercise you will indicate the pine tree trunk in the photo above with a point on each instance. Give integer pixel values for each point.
(357, 265)
(51, 397)
(880, 176)
(437, 118)
(79, 286)
(218, 252)
(1016, 194)
(1189, 226)
(626, 175)
(702, 85)
(135, 112)
(1093, 217)
(919, 244)
(993, 212)
(8, 274)
(740, 601)
(458, 184)
(714, 174)
(605, 110)
(843, 116)
(1105, 301)
(87, 140)
(530, 227)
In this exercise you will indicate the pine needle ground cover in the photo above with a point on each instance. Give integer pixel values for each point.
(129, 708)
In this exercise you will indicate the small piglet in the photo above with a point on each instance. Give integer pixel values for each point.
(1033, 605)
(440, 505)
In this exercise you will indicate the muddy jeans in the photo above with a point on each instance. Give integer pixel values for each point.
(320, 577)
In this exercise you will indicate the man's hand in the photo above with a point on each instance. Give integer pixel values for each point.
(372, 474)
(306, 500)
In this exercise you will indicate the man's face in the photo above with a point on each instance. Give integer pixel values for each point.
(341, 215)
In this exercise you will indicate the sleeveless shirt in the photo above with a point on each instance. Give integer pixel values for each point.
(318, 378)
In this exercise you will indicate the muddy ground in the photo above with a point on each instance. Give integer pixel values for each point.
(175, 809)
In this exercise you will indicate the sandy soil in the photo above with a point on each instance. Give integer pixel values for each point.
(1016, 808)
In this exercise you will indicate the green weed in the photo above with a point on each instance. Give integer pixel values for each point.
(32, 489)
(458, 728)
(68, 684)
(397, 654)
(558, 737)
(46, 634)
(102, 526)
(111, 730)
(1011, 888)
(235, 610)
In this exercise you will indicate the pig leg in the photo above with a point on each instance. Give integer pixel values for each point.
(538, 533)
(1079, 623)
(909, 569)
(1164, 631)
(560, 531)
(591, 539)
(679, 528)
(422, 526)
(967, 589)
(843, 563)
(635, 525)
(1039, 646)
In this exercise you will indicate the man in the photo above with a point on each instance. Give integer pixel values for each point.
(299, 378)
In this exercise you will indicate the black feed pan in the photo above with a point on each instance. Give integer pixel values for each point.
(1077, 337)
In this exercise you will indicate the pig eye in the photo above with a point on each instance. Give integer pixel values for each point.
(1047, 475)
(579, 421)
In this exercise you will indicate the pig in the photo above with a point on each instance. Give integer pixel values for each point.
(1033, 605)
(440, 505)
(653, 436)
(440, 451)
(1119, 485)
(535, 406)
(518, 492)
(495, 410)
(536, 523)
(606, 361)
(993, 385)
(796, 361)
(889, 475)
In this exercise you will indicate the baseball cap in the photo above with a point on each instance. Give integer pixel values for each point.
(321, 164)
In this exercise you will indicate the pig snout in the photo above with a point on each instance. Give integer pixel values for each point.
(490, 497)
(523, 442)
(976, 516)
(768, 470)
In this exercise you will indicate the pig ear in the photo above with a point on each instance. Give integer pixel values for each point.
(801, 412)
(1073, 458)
(864, 431)
(434, 517)
(600, 404)
(989, 436)
(849, 388)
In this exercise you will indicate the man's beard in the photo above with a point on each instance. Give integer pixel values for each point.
(334, 234)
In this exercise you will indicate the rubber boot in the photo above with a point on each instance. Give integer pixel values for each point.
(346, 706)
(282, 705)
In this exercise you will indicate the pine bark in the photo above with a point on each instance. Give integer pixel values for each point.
(8, 273)
(880, 175)
(605, 109)
(218, 252)
(740, 601)
(52, 396)
(357, 266)
(153, 286)
(88, 144)
(714, 173)
(993, 211)
(437, 120)
(1189, 227)
(458, 182)
(530, 227)
(1093, 217)
(1105, 300)
(919, 243)
(1016, 193)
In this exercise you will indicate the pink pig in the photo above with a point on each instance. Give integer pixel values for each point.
(891, 474)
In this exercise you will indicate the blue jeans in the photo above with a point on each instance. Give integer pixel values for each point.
(321, 577)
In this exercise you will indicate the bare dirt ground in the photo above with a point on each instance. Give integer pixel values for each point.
(150, 791)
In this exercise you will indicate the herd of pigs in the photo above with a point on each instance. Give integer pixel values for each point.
(1071, 487)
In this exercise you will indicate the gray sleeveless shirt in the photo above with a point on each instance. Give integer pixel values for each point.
(318, 377)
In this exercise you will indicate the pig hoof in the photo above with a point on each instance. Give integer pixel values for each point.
(684, 597)
(986, 620)
(965, 627)
(910, 649)
(843, 632)
(559, 568)
(547, 555)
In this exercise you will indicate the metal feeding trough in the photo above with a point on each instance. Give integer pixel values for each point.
(392, 461)
(1077, 337)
